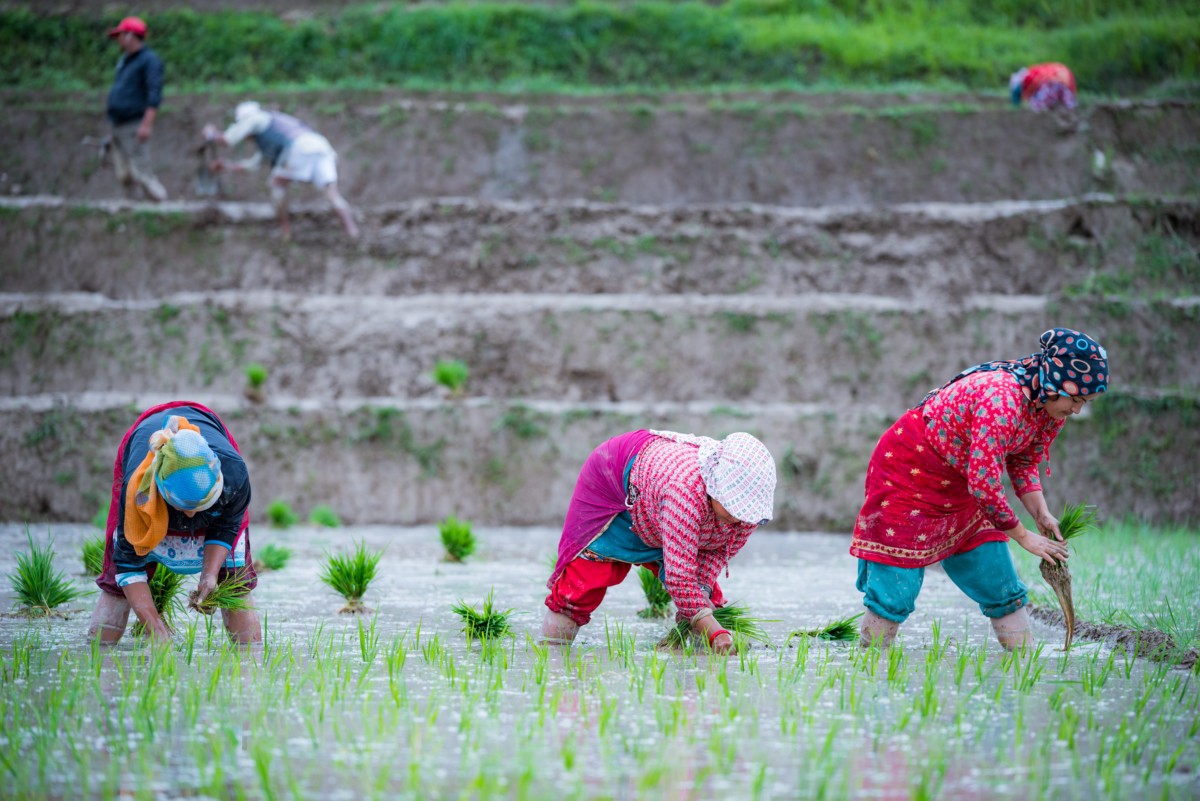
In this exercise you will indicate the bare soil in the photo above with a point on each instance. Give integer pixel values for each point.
(1150, 643)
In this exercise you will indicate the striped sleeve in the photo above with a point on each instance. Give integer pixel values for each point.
(680, 515)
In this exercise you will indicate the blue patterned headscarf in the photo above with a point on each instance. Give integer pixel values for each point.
(1070, 363)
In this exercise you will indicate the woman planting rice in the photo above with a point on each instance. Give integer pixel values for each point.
(933, 491)
(180, 502)
(677, 504)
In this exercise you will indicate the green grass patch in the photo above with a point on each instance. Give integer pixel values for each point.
(280, 514)
(92, 554)
(323, 515)
(457, 538)
(40, 589)
(1111, 47)
(487, 623)
(272, 557)
(350, 575)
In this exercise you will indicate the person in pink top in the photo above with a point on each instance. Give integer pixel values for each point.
(1044, 87)
(933, 491)
(677, 504)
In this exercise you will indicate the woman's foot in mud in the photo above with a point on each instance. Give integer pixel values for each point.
(877, 630)
(1013, 631)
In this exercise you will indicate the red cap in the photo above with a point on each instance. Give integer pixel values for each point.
(134, 25)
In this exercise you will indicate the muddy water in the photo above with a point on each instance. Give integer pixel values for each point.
(303, 718)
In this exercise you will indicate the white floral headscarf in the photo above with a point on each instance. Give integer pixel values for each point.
(738, 472)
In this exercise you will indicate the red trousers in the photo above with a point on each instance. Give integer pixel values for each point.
(582, 585)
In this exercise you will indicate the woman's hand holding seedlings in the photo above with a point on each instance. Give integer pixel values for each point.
(707, 626)
(1041, 547)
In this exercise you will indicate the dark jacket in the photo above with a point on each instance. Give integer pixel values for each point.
(220, 523)
(137, 86)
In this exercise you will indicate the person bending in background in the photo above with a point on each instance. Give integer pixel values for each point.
(133, 103)
(180, 502)
(679, 505)
(933, 491)
(1044, 87)
(292, 150)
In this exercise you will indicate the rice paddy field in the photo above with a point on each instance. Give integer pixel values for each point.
(397, 703)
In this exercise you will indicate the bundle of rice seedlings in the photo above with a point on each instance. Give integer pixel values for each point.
(228, 594)
(165, 589)
(657, 597)
(1075, 521)
(488, 624)
(271, 557)
(92, 553)
(40, 589)
(280, 514)
(457, 538)
(452, 374)
(256, 378)
(350, 575)
(100, 519)
(324, 516)
(735, 618)
(843, 630)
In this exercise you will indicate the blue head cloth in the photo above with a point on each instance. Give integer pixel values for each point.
(188, 473)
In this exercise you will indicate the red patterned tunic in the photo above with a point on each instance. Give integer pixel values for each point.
(672, 512)
(933, 485)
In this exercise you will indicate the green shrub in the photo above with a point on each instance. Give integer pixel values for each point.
(457, 538)
(452, 374)
(280, 513)
(324, 516)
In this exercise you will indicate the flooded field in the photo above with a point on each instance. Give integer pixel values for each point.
(397, 704)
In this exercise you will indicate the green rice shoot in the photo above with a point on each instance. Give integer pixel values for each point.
(843, 630)
(40, 589)
(100, 519)
(457, 538)
(92, 554)
(488, 624)
(228, 594)
(323, 515)
(280, 514)
(166, 587)
(452, 374)
(734, 618)
(1076, 520)
(272, 557)
(350, 575)
(657, 597)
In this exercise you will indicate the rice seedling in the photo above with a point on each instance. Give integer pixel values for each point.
(256, 378)
(350, 575)
(485, 624)
(322, 515)
(40, 589)
(457, 538)
(452, 374)
(166, 587)
(228, 594)
(280, 514)
(657, 597)
(272, 557)
(733, 617)
(1075, 521)
(841, 630)
(92, 553)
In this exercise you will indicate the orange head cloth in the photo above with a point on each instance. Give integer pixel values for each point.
(146, 510)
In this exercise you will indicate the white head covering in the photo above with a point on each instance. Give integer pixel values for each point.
(246, 109)
(738, 472)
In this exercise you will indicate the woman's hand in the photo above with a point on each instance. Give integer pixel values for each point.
(1041, 547)
(706, 626)
(1048, 525)
(207, 583)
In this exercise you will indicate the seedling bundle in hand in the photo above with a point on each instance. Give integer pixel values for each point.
(40, 589)
(350, 575)
(1075, 520)
(843, 630)
(165, 589)
(228, 594)
(457, 538)
(488, 624)
(735, 618)
(271, 557)
(657, 597)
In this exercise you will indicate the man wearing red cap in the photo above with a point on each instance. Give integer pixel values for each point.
(132, 106)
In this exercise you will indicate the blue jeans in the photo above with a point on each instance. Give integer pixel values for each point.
(986, 574)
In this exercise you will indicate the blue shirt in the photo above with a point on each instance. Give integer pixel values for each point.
(137, 86)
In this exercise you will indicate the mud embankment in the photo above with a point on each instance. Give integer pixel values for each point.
(1151, 643)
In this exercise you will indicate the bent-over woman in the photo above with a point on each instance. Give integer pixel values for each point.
(933, 491)
(180, 502)
(677, 504)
